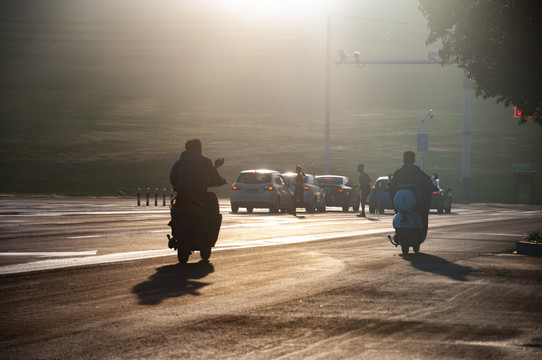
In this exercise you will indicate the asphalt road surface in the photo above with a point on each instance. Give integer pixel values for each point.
(94, 279)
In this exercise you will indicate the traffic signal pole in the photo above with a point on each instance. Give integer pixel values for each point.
(465, 139)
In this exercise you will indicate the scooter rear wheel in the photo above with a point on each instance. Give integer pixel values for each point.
(404, 248)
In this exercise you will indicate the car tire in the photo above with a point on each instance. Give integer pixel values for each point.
(356, 206)
(275, 208)
(249, 210)
(234, 209)
(322, 208)
(372, 209)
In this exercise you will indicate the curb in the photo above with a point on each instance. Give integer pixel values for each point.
(529, 248)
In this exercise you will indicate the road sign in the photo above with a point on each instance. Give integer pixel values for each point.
(423, 142)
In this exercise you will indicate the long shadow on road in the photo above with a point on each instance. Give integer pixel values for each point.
(173, 281)
(439, 266)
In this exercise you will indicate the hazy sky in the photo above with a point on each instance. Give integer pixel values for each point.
(374, 27)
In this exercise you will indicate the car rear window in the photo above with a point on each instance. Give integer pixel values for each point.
(254, 178)
(382, 184)
(330, 180)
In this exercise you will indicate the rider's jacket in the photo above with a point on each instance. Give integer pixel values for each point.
(194, 172)
(412, 176)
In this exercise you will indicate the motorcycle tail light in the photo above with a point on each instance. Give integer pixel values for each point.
(435, 192)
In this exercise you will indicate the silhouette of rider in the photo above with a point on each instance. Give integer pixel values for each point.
(412, 176)
(191, 175)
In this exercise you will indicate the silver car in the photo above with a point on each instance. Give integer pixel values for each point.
(313, 195)
(260, 189)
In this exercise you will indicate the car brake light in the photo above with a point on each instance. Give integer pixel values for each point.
(340, 190)
(306, 188)
(435, 192)
(269, 187)
(374, 186)
(235, 187)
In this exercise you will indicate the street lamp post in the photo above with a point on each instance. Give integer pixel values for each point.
(423, 141)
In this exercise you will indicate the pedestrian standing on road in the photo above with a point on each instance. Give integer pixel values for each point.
(298, 192)
(365, 187)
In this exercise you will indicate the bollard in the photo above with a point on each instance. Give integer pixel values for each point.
(156, 197)
(164, 197)
(138, 196)
(147, 197)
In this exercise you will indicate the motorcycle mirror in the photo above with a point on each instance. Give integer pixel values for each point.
(219, 162)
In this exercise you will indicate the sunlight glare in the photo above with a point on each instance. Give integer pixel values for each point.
(277, 8)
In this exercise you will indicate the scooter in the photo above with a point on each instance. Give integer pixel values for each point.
(191, 226)
(407, 222)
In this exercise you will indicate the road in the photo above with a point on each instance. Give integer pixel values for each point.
(94, 279)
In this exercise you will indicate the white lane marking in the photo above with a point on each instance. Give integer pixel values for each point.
(51, 254)
(138, 255)
(84, 236)
(501, 234)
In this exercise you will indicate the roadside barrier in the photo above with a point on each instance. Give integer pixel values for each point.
(156, 192)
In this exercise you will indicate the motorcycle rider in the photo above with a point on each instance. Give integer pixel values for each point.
(191, 175)
(412, 175)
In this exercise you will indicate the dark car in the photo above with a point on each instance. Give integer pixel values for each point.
(340, 191)
(379, 198)
(441, 199)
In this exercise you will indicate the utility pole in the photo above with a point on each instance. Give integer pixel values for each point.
(465, 141)
(327, 100)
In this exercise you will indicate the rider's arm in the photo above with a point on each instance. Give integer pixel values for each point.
(214, 177)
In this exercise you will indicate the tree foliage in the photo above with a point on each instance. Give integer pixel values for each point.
(498, 43)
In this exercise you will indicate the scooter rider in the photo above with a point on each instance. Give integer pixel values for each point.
(192, 174)
(411, 174)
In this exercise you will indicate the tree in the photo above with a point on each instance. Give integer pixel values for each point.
(497, 43)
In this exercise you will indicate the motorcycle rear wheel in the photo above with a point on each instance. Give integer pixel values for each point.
(205, 253)
(183, 255)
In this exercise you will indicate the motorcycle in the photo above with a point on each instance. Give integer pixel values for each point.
(407, 222)
(192, 227)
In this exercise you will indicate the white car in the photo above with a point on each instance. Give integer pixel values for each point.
(260, 189)
(314, 197)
